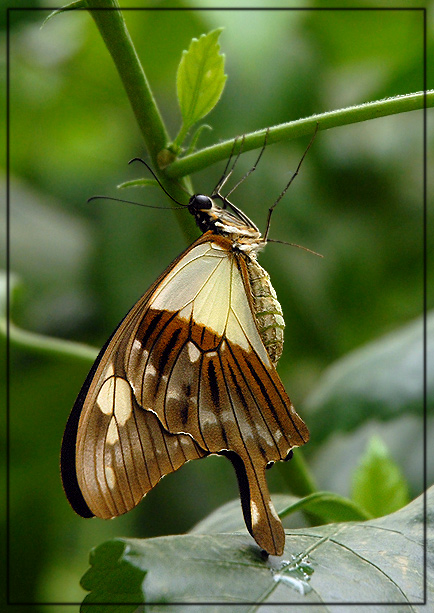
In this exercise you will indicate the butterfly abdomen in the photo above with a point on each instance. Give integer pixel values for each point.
(268, 312)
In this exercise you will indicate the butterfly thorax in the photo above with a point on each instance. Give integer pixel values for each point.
(246, 242)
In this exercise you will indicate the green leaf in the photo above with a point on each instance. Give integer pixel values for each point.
(200, 79)
(326, 506)
(380, 560)
(329, 507)
(378, 485)
(381, 380)
(122, 581)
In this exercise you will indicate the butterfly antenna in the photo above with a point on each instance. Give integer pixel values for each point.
(272, 240)
(148, 206)
(271, 209)
(225, 176)
(158, 181)
(249, 172)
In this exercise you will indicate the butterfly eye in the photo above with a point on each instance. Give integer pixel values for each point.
(198, 202)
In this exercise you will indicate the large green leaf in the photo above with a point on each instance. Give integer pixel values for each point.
(382, 380)
(377, 561)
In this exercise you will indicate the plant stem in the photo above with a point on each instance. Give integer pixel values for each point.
(111, 25)
(47, 345)
(293, 129)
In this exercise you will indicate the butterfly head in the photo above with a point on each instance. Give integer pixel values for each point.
(200, 207)
(211, 216)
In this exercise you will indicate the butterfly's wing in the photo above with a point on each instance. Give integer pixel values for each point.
(197, 361)
(185, 374)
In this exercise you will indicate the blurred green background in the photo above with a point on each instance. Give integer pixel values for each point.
(79, 267)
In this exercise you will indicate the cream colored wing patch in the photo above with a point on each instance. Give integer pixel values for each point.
(206, 287)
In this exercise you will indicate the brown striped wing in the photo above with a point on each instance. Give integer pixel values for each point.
(185, 374)
(197, 361)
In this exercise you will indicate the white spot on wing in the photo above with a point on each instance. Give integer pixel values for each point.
(173, 394)
(255, 513)
(151, 370)
(193, 352)
(105, 397)
(139, 350)
(207, 418)
(112, 436)
(150, 374)
(123, 404)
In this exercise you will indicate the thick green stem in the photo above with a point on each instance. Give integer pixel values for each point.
(113, 30)
(111, 25)
(293, 129)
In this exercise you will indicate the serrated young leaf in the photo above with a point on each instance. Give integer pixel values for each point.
(200, 79)
(378, 485)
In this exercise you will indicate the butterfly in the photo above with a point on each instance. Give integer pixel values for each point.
(189, 372)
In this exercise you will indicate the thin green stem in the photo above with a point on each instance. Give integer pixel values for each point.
(312, 504)
(293, 129)
(47, 345)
